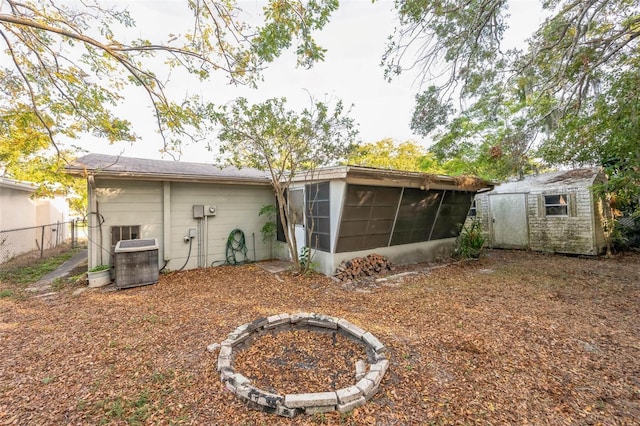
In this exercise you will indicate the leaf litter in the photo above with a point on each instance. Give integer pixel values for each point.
(512, 338)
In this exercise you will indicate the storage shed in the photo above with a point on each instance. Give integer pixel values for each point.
(550, 212)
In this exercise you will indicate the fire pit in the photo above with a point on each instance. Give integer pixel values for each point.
(366, 378)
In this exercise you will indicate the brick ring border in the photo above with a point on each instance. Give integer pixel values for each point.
(290, 405)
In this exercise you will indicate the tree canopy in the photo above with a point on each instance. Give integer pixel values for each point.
(387, 154)
(567, 98)
(270, 137)
(66, 66)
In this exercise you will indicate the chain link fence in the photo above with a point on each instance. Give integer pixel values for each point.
(14, 242)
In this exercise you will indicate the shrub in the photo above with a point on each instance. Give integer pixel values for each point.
(470, 242)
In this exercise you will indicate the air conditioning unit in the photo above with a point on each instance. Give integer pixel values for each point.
(136, 263)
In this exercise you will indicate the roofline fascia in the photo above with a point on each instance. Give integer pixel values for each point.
(371, 176)
(164, 177)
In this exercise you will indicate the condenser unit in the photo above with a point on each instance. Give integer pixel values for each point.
(136, 262)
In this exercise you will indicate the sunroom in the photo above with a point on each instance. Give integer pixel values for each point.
(351, 211)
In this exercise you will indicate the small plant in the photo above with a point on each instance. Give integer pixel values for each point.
(304, 257)
(470, 242)
(6, 293)
(270, 228)
(99, 268)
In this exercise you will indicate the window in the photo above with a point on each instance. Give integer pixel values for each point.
(473, 210)
(556, 205)
(367, 217)
(318, 212)
(119, 233)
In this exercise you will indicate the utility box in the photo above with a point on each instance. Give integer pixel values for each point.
(136, 263)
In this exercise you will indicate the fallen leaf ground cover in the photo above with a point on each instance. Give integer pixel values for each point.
(512, 338)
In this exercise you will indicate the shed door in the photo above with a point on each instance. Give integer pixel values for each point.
(509, 220)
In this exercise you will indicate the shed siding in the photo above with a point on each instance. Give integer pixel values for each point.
(583, 231)
(562, 234)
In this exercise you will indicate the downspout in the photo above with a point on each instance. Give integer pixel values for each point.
(166, 221)
(93, 220)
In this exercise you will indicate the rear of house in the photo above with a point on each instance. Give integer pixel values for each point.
(551, 212)
(189, 208)
(352, 211)
(192, 210)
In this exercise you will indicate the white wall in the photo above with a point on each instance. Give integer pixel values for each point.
(132, 202)
(401, 254)
(123, 203)
(17, 210)
(237, 208)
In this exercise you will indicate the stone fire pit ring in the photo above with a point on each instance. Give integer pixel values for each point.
(366, 380)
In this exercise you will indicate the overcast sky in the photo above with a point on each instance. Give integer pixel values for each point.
(355, 39)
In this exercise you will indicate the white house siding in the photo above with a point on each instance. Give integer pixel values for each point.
(326, 263)
(237, 208)
(124, 203)
(17, 210)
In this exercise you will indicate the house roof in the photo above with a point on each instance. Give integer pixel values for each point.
(16, 185)
(562, 179)
(112, 166)
(399, 178)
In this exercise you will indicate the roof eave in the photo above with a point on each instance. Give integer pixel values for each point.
(105, 174)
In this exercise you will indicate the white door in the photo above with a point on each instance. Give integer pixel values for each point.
(297, 215)
(509, 225)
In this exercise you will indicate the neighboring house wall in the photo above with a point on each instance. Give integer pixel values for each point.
(164, 210)
(17, 210)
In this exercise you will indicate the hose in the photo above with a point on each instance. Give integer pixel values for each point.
(236, 244)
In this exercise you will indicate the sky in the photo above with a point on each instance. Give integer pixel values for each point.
(355, 40)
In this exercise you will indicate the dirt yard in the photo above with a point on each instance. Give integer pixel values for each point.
(512, 338)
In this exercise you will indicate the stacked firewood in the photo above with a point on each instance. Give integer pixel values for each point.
(363, 267)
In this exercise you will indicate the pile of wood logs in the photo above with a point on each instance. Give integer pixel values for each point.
(363, 267)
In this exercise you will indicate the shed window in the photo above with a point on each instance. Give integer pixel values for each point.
(318, 221)
(556, 205)
(128, 232)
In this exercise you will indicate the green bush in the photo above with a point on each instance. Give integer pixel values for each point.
(470, 242)
(626, 234)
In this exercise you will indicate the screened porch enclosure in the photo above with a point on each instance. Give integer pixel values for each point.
(353, 211)
(371, 216)
(375, 216)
